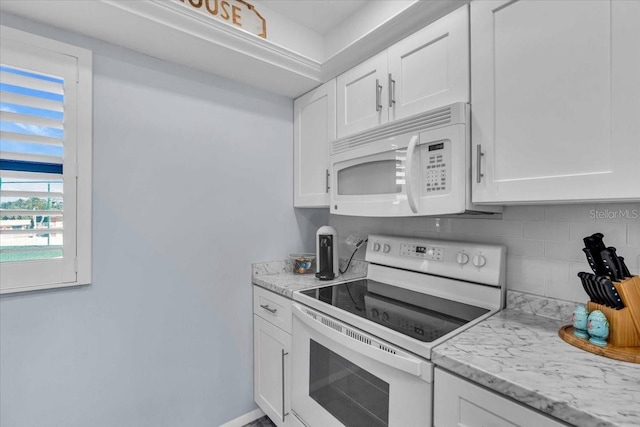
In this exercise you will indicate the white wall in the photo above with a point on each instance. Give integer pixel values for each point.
(543, 242)
(192, 183)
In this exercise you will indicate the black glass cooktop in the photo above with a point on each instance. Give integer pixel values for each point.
(420, 316)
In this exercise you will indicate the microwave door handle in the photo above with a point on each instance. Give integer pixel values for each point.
(408, 170)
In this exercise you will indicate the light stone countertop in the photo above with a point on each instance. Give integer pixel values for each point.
(278, 277)
(520, 355)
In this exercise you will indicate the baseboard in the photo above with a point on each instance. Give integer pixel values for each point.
(245, 419)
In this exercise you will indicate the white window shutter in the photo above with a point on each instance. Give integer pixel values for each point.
(38, 155)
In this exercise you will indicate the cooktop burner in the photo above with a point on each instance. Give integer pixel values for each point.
(417, 315)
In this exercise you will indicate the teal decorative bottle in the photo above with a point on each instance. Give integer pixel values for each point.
(598, 328)
(579, 320)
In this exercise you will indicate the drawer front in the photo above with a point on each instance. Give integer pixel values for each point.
(458, 402)
(272, 307)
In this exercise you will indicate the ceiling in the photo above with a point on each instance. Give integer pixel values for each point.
(318, 16)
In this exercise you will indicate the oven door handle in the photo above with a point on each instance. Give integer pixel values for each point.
(408, 172)
(403, 362)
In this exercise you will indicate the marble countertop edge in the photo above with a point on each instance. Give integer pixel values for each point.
(520, 355)
(506, 388)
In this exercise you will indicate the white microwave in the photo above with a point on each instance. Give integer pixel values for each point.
(419, 166)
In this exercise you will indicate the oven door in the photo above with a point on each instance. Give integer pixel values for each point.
(344, 377)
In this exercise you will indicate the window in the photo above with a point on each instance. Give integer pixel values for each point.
(45, 163)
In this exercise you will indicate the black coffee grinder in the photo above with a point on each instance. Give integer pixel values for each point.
(327, 267)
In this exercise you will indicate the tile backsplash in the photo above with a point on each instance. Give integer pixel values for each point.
(544, 243)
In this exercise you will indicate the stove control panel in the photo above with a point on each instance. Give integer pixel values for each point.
(433, 253)
(461, 260)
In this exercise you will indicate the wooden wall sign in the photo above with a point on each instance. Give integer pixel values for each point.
(235, 12)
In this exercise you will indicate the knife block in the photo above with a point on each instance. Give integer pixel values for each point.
(624, 324)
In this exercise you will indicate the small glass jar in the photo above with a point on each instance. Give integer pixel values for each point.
(303, 263)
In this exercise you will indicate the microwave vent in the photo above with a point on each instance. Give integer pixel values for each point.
(454, 113)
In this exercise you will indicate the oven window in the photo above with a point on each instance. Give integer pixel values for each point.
(354, 396)
(379, 177)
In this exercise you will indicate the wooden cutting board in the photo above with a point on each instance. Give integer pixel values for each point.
(625, 354)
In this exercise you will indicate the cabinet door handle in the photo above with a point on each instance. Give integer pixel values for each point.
(378, 95)
(479, 155)
(283, 408)
(392, 91)
(269, 309)
(327, 180)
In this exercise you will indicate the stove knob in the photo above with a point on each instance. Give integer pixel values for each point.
(385, 316)
(462, 258)
(386, 248)
(479, 260)
(375, 312)
(376, 247)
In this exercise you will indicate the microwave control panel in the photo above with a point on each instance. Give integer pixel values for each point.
(436, 167)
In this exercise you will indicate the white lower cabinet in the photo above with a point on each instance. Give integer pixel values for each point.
(272, 360)
(458, 402)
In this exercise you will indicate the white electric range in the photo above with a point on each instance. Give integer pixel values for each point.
(361, 349)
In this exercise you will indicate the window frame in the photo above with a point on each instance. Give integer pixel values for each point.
(83, 151)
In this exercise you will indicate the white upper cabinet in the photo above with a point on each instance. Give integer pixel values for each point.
(555, 100)
(314, 129)
(430, 68)
(362, 102)
(426, 70)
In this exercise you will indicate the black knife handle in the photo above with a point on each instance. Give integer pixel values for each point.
(604, 298)
(595, 262)
(623, 267)
(612, 293)
(595, 242)
(610, 260)
(586, 287)
(598, 295)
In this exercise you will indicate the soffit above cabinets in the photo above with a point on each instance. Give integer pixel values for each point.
(318, 16)
(293, 59)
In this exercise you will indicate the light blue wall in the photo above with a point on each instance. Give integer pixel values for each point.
(192, 182)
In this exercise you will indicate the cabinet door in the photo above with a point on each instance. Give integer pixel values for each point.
(461, 403)
(271, 381)
(314, 129)
(555, 90)
(363, 96)
(430, 68)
